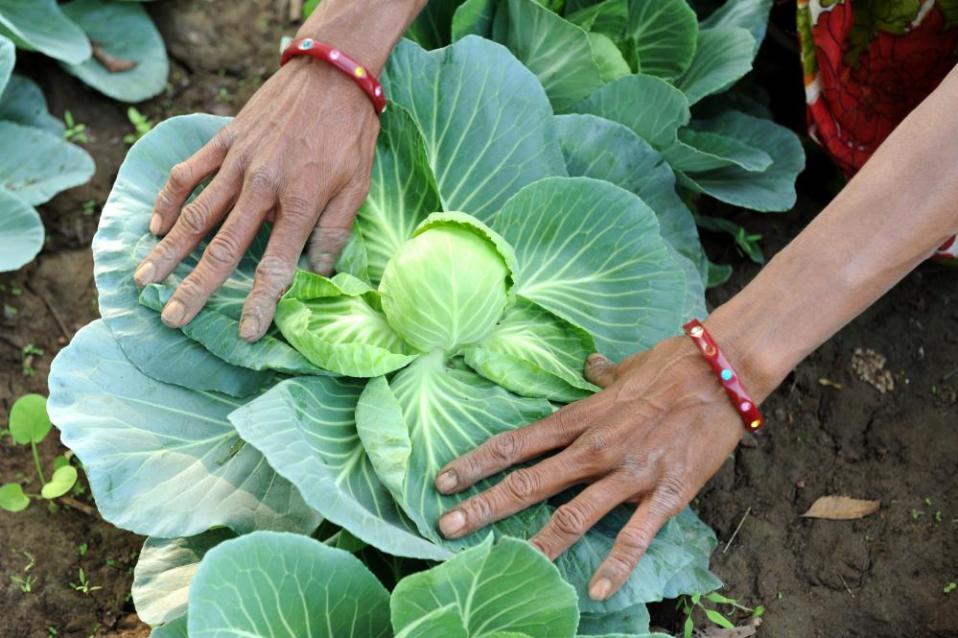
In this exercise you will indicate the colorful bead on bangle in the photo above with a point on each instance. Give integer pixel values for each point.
(741, 401)
(350, 67)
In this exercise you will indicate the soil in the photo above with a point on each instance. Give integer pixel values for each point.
(831, 430)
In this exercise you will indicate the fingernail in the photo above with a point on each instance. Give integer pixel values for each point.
(452, 523)
(155, 223)
(249, 328)
(446, 482)
(145, 273)
(600, 589)
(173, 314)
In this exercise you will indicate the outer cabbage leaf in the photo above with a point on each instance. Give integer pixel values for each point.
(174, 629)
(474, 17)
(771, 190)
(612, 65)
(590, 252)
(337, 325)
(661, 37)
(557, 51)
(484, 118)
(748, 14)
(8, 56)
(126, 32)
(448, 286)
(276, 584)
(21, 232)
(648, 105)
(431, 29)
(22, 102)
(39, 164)
(689, 530)
(533, 353)
(162, 460)
(401, 194)
(121, 242)
(602, 149)
(488, 587)
(609, 17)
(629, 622)
(723, 56)
(306, 428)
(698, 151)
(40, 25)
(164, 571)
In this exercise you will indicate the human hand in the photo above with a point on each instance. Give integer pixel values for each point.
(298, 155)
(659, 429)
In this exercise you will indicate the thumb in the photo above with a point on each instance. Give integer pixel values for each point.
(599, 370)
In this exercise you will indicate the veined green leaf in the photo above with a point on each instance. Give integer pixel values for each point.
(126, 32)
(723, 56)
(401, 194)
(648, 105)
(474, 17)
(164, 571)
(557, 51)
(630, 621)
(306, 428)
(40, 25)
(484, 118)
(698, 151)
(612, 65)
(448, 286)
(162, 460)
(748, 14)
(431, 29)
(445, 621)
(22, 102)
(770, 190)
(123, 240)
(688, 530)
(276, 584)
(533, 353)
(40, 164)
(609, 17)
(337, 325)
(661, 37)
(21, 232)
(590, 252)
(8, 56)
(487, 587)
(602, 149)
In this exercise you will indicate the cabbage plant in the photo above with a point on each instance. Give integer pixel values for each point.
(479, 276)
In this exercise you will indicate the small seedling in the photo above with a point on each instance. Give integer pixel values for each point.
(688, 604)
(747, 243)
(29, 425)
(84, 586)
(89, 207)
(950, 587)
(25, 584)
(75, 131)
(28, 356)
(82, 549)
(141, 125)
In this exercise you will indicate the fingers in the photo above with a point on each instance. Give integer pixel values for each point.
(521, 489)
(197, 219)
(634, 539)
(335, 224)
(222, 254)
(183, 180)
(516, 446)
(599, 370)
(572, 520)
(277, 266)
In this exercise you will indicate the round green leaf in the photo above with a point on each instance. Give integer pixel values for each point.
(723, 56)
(661, 37)
(748, 14)
(22, 102)
(124, 31)
(40, 25)
(12, 498)
(29, 421)
(62, 481)
(40, 164)
(21, 232)
(275, 584)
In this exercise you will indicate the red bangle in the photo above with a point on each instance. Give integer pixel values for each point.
(746, 408)
(359, 74)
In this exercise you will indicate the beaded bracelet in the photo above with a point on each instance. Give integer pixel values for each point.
(359, 74)
(741, 401)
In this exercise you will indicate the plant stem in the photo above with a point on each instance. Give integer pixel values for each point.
(36, 461)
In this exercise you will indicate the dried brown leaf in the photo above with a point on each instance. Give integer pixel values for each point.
(841, 508)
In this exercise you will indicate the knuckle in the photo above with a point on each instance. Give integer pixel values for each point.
(194, 217)
(633, 541)
(164, 251)
(190, 289)
(505, 446)
(570, 520)
(181, 176)
(262, 180)
(522, 484)
(478, 510)
(621, 563)
(274, 271)
(669, 494)
(567, 420)
(223, 250)
(297, 208)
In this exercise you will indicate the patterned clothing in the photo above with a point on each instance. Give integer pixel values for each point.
(866, 67)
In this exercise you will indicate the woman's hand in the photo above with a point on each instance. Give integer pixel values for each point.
(299, 155)
(660, 428)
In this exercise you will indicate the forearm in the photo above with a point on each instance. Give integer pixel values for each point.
(365, 29)
(890, 217)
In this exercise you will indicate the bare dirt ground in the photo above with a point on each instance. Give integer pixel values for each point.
(880, 577)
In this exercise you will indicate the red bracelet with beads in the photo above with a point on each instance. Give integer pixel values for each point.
(741, 401)
(353, 69)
